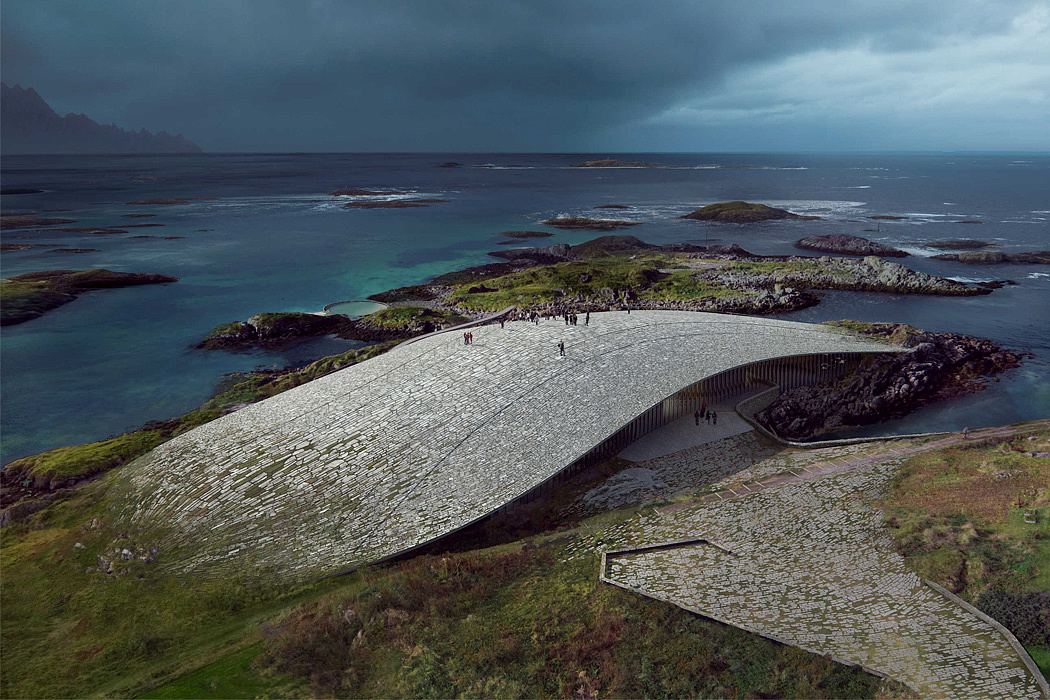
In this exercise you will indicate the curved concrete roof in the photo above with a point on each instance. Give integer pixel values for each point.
(404, 448)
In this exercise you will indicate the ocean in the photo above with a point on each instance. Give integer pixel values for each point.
(272, 240)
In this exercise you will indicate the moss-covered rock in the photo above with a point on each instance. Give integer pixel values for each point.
(272, 329)
(738, 212)
(28, 296)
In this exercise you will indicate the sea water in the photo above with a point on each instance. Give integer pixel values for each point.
(272, 239)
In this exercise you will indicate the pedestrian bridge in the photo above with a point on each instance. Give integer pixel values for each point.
(390, 454)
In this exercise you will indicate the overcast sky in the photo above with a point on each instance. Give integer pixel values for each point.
(546, 75)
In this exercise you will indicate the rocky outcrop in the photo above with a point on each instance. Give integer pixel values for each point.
(272, 330)
(940, 366)
(870, 275)
(738, 212)
(959, 244)
(525, 234)
(614, 163)
(164, 201)
(29, 296)
(844, 244)
(582, 223)
(29, 125)
(386, 204)
(351, 192)
(982, 257)
(10, 223)
(557, 252)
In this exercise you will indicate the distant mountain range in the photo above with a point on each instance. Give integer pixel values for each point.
(29, 125)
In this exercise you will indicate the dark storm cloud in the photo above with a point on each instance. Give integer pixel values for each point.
(481, 74)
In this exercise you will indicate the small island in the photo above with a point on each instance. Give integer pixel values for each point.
(29, 296)
(738, 212)
(613, 163)
(959, 244)
(985, 257)
(582, 223)
(844, 244)
(525, 234)
(351, 192)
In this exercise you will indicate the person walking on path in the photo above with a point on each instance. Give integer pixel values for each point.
(709, 418)
(561, 348)
(703, 408)
(587, 319)
(714, 418)
(966, 433)
(470, 338)
(696, 417)
(465, 341)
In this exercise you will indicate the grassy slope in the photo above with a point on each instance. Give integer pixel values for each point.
(591, 278)
(96, 457)
(960, 525)
(502, 622)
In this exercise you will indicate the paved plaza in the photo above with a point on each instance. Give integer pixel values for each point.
(804, 559)
(394, 452)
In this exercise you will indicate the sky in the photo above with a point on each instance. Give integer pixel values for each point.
(595, 76)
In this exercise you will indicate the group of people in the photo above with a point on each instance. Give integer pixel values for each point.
(573, 319)
(703, 414)
(468, 338)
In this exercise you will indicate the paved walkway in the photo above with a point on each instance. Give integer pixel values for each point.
(805, 560)
(394, 452)
(685, 433)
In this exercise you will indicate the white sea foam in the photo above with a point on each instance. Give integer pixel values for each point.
(817, 206)
(1034, 275)
(948, 204)
(859, 187)
(916, 251)
(1041, 211)
(971, 280)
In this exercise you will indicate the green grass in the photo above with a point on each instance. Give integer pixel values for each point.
(85, 460)
(512, 622)
(599, 278)
(403, 317)
(68, 463)
(233, 676)
(957, 517)
(68, 632)
(1041, 656)
(684, 286)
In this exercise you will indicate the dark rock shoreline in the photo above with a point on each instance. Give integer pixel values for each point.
(940, 366)
(844, 244)
(29, 296)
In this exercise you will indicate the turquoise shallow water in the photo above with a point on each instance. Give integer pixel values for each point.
(273, 241)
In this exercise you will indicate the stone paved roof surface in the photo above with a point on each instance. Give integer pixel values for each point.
(416, 443)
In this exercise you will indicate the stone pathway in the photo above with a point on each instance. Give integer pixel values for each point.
(684, 433)
(804, 559)
(394, 452)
